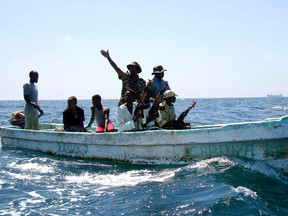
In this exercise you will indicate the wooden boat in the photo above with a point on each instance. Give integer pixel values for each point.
(259, 140)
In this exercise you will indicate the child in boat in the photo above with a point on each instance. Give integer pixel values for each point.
(100, 113)
(73, 116)
(167, 117)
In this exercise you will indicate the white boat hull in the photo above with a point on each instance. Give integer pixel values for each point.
(261, 140)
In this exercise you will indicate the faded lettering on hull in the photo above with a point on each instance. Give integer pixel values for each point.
(72, 149)
(247, 150)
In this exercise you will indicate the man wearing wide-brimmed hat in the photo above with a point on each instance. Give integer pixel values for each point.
(130, 80)
(167, 116)
(157, 83)
(166, 109)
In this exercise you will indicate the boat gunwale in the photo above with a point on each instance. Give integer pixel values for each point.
(193, 128)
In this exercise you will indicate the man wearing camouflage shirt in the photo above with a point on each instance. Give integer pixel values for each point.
(130, 79)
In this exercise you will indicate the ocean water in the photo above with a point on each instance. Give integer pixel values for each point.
(35, 183)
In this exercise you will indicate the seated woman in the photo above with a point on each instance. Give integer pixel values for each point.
(73, 116)
(101, 115)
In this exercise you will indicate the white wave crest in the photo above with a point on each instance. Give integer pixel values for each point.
(279, 108)
(245, 191)
(129, 178)
(206, 163)
(33, 167)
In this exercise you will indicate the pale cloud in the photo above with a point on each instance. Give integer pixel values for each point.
(270, 57)
(17, 62)
(66, 38)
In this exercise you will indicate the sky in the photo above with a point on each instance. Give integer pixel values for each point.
(211, 49)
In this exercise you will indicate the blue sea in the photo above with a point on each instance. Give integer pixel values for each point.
(35, 183)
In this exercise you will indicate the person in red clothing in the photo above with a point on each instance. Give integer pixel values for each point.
(100, 113)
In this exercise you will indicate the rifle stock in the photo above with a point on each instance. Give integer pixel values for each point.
(139, 105)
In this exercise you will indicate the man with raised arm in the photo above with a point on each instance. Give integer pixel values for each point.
(130, 79)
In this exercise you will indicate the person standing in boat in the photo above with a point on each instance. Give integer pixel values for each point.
(73, 116)
(100, 113)
(130, 80)
(157, 83)
(167, 116)
(128, 119)
(32, 109)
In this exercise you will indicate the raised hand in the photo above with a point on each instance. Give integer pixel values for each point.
(105, 53)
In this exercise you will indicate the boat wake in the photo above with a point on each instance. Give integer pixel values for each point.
(246, 191)
(276, 169)
(125, 179)
(280, 108)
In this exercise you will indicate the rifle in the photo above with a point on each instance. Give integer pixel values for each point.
(185, 112)
(139, 105)
(159, 96)
(155, 104)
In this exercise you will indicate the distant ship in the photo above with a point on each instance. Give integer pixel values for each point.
(274, 95)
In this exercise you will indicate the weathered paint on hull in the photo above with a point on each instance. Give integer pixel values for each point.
(257, 140)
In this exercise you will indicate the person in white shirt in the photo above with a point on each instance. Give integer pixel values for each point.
(32, 109)
(127, 119)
